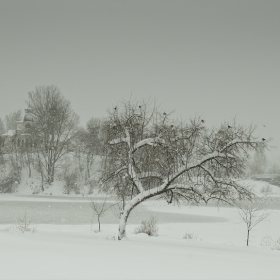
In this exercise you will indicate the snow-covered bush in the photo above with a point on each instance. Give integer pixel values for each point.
(22, 225)
(270, 242)
(190, 235)
(148, 226)
(267, 241)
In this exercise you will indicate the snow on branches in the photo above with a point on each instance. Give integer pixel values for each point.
(177, 160)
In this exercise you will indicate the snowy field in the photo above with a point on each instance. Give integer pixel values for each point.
(73, 250)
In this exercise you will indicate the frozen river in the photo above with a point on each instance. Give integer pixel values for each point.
(77, 210)
(69, 210)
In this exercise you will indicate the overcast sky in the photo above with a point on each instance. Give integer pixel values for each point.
(216, 59)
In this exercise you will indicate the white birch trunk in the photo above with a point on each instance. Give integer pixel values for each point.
(126, 211)
(123, 220)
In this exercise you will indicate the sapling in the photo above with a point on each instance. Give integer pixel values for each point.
(99, 209)
(252, 212)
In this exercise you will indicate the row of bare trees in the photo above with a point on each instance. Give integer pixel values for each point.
(53, 134)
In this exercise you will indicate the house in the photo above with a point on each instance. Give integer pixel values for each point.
(18, 137)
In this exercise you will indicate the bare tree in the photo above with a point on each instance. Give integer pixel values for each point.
(55, 125)
(252, 212)
(153, 155)
(99, 209)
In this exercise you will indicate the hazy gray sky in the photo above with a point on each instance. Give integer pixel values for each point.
(217, 59)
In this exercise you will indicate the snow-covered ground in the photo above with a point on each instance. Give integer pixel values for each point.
(73, 252)
(218, 250)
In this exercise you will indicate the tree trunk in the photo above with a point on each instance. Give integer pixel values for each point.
(124, 216)
(41, 172)
(29, 169)
(51, 173)
(52, 178)
(122, 225)
(248, 232)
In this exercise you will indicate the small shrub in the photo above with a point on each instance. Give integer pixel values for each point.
(267, 241)
(190, 235)
(21, 225)
(148, 226)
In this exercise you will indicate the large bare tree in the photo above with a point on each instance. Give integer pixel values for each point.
(55, 126)
(148, 154)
